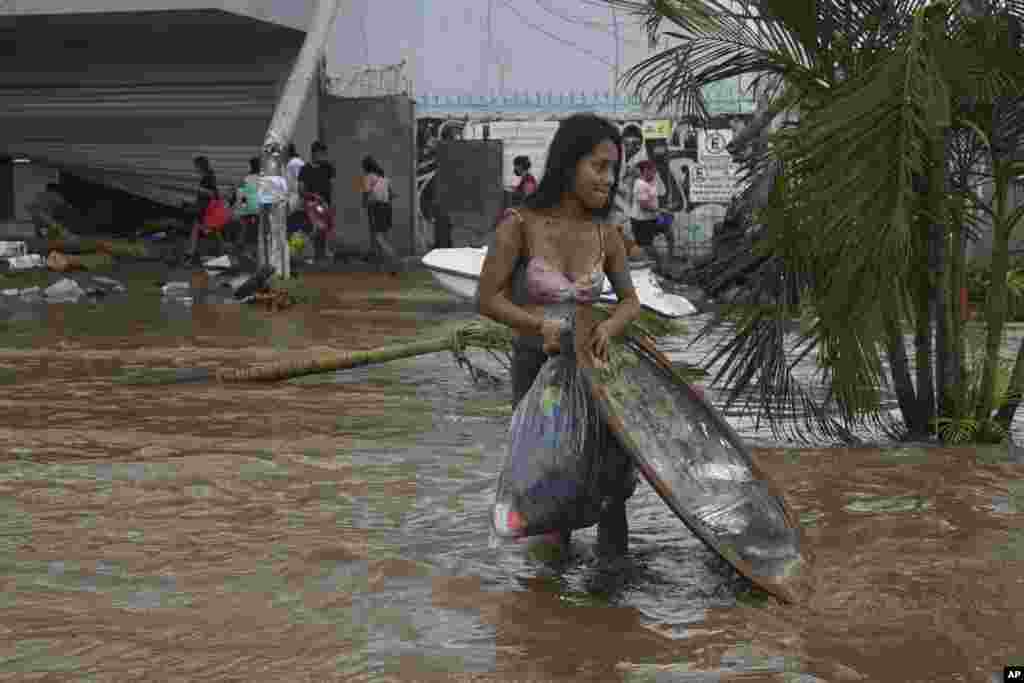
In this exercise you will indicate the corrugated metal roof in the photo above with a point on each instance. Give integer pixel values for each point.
(294, 14)
(202, 87)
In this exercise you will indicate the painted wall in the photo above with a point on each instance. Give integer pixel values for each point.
(696, 179)
(469, 189)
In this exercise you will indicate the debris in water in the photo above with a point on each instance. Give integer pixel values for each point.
(274, 299)
(13, 249)
(25, 262)
(66, 290)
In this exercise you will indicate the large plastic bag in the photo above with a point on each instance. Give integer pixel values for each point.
(551, 476)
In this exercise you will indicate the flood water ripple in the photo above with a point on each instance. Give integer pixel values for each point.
(336, 528)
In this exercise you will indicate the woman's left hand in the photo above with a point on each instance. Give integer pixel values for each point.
(600, 342)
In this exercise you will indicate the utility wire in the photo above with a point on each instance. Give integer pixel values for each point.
(588, 23)
(610, 29)
(565, 42)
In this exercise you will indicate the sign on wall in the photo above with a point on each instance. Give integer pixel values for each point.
(709, 185)
(658, 129)
(712, 145)
(714, 176)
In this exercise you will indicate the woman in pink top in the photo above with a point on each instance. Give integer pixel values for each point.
(549, 257)
(527, 183)
(377, 196)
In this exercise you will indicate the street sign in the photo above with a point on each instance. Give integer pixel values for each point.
(711, 144)
(713, 187)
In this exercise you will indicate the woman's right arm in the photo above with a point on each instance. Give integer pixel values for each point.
(496, 275)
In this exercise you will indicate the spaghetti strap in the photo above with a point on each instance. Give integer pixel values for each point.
(600, 237)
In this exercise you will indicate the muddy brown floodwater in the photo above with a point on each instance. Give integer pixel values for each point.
(336, 527)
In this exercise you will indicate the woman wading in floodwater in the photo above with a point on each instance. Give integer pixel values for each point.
(552, 255)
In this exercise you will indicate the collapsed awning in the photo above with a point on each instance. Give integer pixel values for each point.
(205, 83)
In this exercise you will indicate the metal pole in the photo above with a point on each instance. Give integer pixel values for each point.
(273, 223)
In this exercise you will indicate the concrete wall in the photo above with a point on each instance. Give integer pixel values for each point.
(195, 83)
(385, 128)
(469, 188)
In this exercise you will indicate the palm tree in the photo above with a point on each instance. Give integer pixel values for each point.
(860, 201)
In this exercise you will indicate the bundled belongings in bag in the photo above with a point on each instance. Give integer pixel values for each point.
(217, 215)
(551, 479)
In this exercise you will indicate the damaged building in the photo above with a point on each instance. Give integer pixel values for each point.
(115, 99)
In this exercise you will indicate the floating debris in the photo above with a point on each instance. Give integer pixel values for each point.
(13, 249)
(66, 290)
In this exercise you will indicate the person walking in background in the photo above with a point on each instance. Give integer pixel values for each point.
(316, 187)
(527, 183)
(206, 194)
(644, 215)
(377, 196)
(247, 203)
(632, 153)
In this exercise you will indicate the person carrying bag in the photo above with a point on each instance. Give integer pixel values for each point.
(377, 198)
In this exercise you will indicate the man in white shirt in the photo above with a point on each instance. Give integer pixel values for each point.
(644, 212)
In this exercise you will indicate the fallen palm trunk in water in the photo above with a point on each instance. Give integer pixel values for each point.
(480, 335)
(483, 335)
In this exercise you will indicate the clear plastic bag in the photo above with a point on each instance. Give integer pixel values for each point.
(550, 480)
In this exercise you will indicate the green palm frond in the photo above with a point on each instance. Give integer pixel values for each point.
(836, 201)
(840, 225)
(714, 43)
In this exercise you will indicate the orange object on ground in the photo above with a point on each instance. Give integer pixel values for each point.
(62, 263)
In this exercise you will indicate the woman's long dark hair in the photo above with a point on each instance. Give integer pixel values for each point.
(370, 165)
(576, 137)
(203, 164)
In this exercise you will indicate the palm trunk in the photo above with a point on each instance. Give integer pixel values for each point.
(957, 369)
(923, 353)
(945, 291)
(995, 314)
(896, 351)
(334, 362)
(942, 307)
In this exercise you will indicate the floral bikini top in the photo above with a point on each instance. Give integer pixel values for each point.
(536, 281)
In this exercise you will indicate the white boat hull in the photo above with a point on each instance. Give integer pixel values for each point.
(458, 271)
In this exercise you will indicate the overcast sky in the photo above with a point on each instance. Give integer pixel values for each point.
(539, 45)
